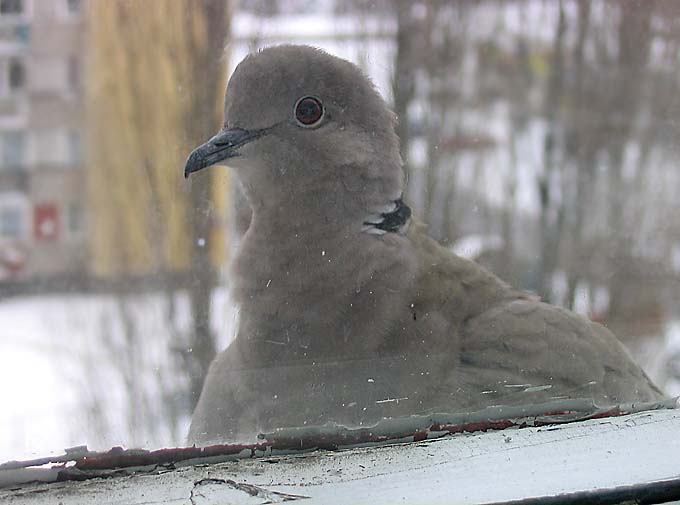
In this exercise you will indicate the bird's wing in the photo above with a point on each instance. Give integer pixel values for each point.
(524, 351)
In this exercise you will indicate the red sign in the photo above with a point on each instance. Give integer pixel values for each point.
(46, 221)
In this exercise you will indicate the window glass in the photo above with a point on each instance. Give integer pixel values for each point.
(75, 147)
(16, 74)
(11, 7)
(74, 6)
(14, 149)
(12, 76)
(11, 223)
(74, 73)
(371, 247)
(75, 218)
(53, 74)
(55, 146)
(46, 222)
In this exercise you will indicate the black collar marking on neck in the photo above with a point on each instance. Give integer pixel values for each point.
(394, 221)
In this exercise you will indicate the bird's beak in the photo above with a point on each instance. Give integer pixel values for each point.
(221, 147)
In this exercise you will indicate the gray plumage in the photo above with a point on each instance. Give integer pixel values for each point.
(341, 321)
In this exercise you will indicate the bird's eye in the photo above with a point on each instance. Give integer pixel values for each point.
(308, 111)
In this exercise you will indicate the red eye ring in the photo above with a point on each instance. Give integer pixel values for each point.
(308, 111)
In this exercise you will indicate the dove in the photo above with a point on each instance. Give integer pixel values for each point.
(349, 312)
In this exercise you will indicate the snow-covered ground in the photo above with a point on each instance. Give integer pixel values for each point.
(64, 362)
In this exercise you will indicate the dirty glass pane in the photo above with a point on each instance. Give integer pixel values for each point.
(536, 149)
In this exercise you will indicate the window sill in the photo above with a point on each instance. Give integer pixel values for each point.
(617, 455)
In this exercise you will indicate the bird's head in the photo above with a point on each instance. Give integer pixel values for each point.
(302, 125)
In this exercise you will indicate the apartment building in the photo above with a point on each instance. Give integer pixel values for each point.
(42, 183)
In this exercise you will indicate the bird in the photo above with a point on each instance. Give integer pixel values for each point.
(349, 312)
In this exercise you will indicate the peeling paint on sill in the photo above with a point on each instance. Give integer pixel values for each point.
(80, 464)
(631, 457)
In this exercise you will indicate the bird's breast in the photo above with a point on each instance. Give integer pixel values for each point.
(323, 299)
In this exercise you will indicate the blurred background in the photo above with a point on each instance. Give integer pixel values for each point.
(540, 137)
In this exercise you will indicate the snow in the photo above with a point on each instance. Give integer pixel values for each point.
(63, 363)
(366, 41)
(60, 354)
(473, 246)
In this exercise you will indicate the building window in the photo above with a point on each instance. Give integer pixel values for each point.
(16, 74)
(69, 9)
(73, 6)
(56, 147)
(11, 223)
(9, 7)
(74, 73)
(13, 149)
(75, 218)
(53, 77)
(46, 222)
(75, 147)
(12, 76)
